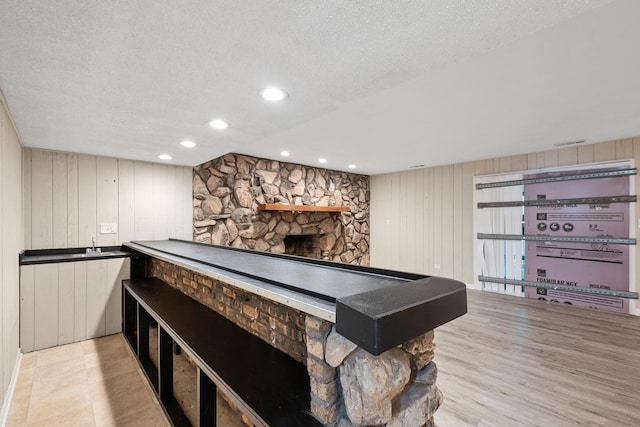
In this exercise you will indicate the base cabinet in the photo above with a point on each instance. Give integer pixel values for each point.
(69, 302)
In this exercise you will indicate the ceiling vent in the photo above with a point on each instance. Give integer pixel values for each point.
(564, 144)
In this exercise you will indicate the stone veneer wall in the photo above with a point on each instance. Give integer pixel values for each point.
(277, 324)
(228, 190)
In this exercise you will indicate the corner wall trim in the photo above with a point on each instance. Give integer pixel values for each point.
(3, 102)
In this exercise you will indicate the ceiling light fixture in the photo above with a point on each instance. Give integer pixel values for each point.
(284, 153)
(322, 160)
(218, 124)
(164, 157)
(188, 144)
(273, 94)
(352, 166)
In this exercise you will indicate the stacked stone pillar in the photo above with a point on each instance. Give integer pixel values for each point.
(351, 387)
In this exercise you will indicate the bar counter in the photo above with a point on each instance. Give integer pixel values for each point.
(375, 308)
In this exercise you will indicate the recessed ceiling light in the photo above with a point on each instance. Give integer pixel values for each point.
(165, 157)
(284, 153)
(322, 160)
(352, 166)
(273, 94)
(218, 124)
(188, 144)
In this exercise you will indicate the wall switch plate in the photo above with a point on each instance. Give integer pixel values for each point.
(436, 266)
(108, 228)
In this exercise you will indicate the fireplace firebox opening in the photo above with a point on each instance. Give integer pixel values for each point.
(306, 245)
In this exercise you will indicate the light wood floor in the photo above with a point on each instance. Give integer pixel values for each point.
(508, 362)
(89, 383)
(98, 383)
(520, 362)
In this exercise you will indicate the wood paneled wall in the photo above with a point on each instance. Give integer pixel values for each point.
(422, 220)
(11, 239)
(67, 197)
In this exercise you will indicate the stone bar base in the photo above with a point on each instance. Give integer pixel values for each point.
(277, 324)
(351, 387)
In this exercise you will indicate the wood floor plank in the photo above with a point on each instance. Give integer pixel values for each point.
(516, 361)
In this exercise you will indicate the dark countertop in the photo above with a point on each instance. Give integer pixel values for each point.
(50, 256)
(320, 279)
(374, 308)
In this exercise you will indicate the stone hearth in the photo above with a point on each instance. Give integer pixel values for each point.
(228, 190)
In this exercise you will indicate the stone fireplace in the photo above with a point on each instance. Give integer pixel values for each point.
(228, 193)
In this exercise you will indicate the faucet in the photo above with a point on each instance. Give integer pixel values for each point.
(93, 248)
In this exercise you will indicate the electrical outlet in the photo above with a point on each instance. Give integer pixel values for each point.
(436, 266)
(111, 228)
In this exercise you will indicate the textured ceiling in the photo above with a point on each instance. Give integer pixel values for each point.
(385, 85)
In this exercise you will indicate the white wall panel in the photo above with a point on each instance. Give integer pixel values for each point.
(87, 200)
(41, 199)
(436, 213)
(447, 235)
(26, 199)
(60, 189)
(457, 194)
(465, 222)
(126, 201)
(73, 223)
(68, 196)
(144, 198)
(160, 195)
(107, 200)
(11, 242)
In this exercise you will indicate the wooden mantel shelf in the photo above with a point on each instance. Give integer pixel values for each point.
(302, 208)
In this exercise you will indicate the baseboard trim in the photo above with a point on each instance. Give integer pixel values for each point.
(6, 405)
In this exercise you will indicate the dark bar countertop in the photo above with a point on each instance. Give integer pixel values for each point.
(375, 308)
